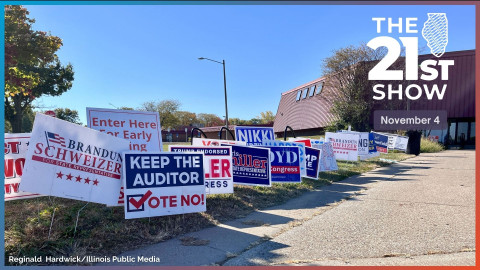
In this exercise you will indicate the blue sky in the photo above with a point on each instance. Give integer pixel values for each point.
(129, 54)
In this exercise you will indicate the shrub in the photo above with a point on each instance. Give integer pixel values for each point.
(427, 146)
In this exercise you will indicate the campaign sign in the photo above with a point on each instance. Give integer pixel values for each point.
(285, 164)
(372, 147)
(381, 141)
(345, 145)
(254, 135)
(74, 162)
(362, 141)
(301, 146)
(391, 140)
(305, 141)
(217, 163)
(214, 142)
(401, 143)
(312, 161)
(316, 143)
(141, 128)
(327, 158)
(15, 148)
(251, 166)
(161, 184)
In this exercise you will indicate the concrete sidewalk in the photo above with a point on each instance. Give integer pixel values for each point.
(417, 212)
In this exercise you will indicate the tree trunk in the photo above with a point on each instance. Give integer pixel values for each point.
(17, 116)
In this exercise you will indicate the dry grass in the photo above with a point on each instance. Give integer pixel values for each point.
(427, 146)
(103, 231)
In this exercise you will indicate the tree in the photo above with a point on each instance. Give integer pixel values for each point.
(347, 71)
(210, 120)
(68, 115)
(266, 117)
(167, 110)
(237, 121)
(186, 118)
(32, 68)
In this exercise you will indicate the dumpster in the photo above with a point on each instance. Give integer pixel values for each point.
(414, 139)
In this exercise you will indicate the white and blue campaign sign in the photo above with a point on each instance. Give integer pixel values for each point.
(217, 161)
(254, 135)
(401, 143)
(381, 142)
(285, 164)
(316, 143)
(251, 166)
(327, 158)
(312, 160)
(372, 147)
(160, 184)
(392, 138)
(301, 146)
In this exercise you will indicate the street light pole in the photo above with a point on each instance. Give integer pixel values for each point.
(225, 90)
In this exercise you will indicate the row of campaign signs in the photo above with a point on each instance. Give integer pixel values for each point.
(118, 160)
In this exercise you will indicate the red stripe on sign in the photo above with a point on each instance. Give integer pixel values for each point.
(75, 167)
(33, 194)
(285, 169)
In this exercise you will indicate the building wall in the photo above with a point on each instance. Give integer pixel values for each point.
(312, 114)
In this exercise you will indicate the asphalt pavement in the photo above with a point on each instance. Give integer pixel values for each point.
(417, 212)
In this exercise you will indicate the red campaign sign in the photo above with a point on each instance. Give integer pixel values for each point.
(286, 169)
(15, 149)
(382, 149)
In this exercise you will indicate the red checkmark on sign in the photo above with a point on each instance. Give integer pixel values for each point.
(140, 202)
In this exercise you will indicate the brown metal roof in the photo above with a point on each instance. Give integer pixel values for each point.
(309, 112)
(314, 112)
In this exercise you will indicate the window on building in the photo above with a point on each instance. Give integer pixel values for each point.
(462, 132)
(472, 132)
(305, 93)
(452, 133)
(319, 88)
(312, 91)
(299, 94)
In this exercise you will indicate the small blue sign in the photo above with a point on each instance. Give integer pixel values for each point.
(285, 164)
(251, 165)
(312, 159)
(254, 135)
(381, 141)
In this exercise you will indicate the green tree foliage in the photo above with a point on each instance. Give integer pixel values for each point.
(237, 121)
(186, 118)
(266, 117)
(167, 109)
(32, 68)
(347, 71)
(210, 120)
(68, 115)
